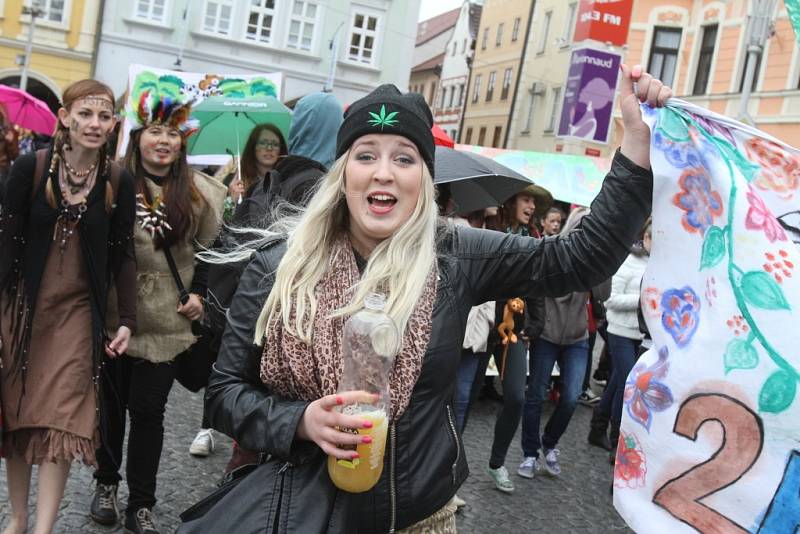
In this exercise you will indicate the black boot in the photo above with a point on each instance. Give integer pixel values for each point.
(597, 430)
(613, 437)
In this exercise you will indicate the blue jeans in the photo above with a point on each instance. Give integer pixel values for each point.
(623, 352)
(464, 380)
(572, 361)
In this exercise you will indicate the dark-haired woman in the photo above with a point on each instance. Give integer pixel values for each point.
(264, 146)
(177, 208)
(65, 232)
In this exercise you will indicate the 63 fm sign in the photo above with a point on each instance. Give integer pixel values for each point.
(604, 21)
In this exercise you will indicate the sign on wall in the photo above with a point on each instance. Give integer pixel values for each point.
(589, 95)
(196, 86)
(605, 21)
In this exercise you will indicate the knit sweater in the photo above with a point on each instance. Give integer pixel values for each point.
(624, 301)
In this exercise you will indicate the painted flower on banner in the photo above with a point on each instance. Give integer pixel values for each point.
(651, 300)
(759, 217)
(630, 467)
(678, 154)
(680, 314)
(701, 204)
(645, 393)
(780, 169)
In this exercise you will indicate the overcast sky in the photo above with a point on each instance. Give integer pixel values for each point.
(431, 8)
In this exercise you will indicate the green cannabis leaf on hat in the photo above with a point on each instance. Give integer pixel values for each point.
(383, 119)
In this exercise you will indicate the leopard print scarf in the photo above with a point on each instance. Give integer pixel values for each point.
(295, 370)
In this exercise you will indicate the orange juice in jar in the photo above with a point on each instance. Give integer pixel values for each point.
(362, 473)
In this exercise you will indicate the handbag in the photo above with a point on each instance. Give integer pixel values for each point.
(275, 496)
(193, 366)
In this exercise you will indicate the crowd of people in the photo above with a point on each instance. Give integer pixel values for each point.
(115, 273)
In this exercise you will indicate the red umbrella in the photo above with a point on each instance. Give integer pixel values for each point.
(27, 111)
(441, 138)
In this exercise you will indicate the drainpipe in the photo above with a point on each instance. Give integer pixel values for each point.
(519, 73)
(98, 28)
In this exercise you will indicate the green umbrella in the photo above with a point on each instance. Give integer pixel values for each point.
(225, 123)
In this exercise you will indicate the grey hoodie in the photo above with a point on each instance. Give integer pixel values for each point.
(315, 123)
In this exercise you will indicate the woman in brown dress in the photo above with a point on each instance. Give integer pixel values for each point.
(65, 233)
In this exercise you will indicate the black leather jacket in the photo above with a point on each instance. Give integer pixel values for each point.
(425, 462)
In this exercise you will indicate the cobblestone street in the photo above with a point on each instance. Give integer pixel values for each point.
(578, 501)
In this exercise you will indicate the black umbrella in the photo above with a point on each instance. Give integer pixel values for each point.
(477, 182)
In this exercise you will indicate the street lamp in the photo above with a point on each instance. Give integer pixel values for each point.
(34, 11)
(759, 28)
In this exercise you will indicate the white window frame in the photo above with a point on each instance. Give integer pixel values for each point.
(551, 120)
(476, 88)
(149, 18)
(542, 46)
(529, 120)
(303, 20)
(569, 28)
(508, 74)
(490, 86)
(263, 12)
(220, 4)
(364, 32)
(498, 40)
(515, 29)
(63, 24)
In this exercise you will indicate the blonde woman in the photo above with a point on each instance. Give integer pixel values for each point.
(372, 226)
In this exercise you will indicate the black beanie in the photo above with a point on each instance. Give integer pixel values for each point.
(386, 110)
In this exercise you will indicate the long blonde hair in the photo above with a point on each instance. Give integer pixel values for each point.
(398, 266)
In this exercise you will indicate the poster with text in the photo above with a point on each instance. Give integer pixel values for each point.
(195, 86)
(589, 95)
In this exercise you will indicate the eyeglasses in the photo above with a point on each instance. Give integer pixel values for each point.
(268, 145)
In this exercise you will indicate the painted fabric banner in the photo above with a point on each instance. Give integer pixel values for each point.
(195, 86)
(710, 438)
(793, 9)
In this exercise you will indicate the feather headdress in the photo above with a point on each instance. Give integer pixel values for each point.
(162, 109)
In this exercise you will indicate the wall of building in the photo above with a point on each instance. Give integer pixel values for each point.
(492, 116)
(226, 48)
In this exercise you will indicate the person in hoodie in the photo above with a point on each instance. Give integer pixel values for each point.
(315, 122)
(564, 339)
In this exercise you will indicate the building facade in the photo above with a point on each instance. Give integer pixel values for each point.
(63, 45)
(696, 46)
(492, 90)
(374, 41)
(433, 35)
(459, 50)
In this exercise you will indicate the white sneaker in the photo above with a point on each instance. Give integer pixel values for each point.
(588, 397)
(458, 501)
(528, 467)
(500, 479)
(551, 465)
(203, 443)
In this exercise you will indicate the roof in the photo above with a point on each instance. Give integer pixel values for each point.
(432, 63)
(430, 28)
(475, 11)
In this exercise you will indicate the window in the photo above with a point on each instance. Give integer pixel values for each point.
(455, 48)
(217, 17)
(363, 36)
(152, 10)
(515, 29)
(453, 134)
(498, 130)
(301, 25)
(461, 95)
(54, 10)
(551, 120)
(432, 94)
(485, 38)
(545, 30)
(476, 90)
(664, 54)
(259, 20)
(570, 27)
(468, 139)
(444, 98)
(490, 86)
(704, 60)
(481, 135)
(506, 84)
(529, 119)
(452, 96)
(755, 71)
(464, 46)
(499, 40)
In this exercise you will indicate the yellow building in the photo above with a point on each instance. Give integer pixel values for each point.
(63, 45)
(499, 48)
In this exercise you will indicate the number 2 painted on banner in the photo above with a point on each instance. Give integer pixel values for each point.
(742, 440)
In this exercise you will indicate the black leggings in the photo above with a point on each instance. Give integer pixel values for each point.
(141, 387)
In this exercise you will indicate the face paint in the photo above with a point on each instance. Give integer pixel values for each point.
(96, 101)
(160, 147)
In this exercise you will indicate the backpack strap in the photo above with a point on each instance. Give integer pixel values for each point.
(41, 157)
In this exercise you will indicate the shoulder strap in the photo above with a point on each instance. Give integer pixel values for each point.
(41, 157)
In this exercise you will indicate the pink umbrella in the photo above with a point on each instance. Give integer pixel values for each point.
(27, 111)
